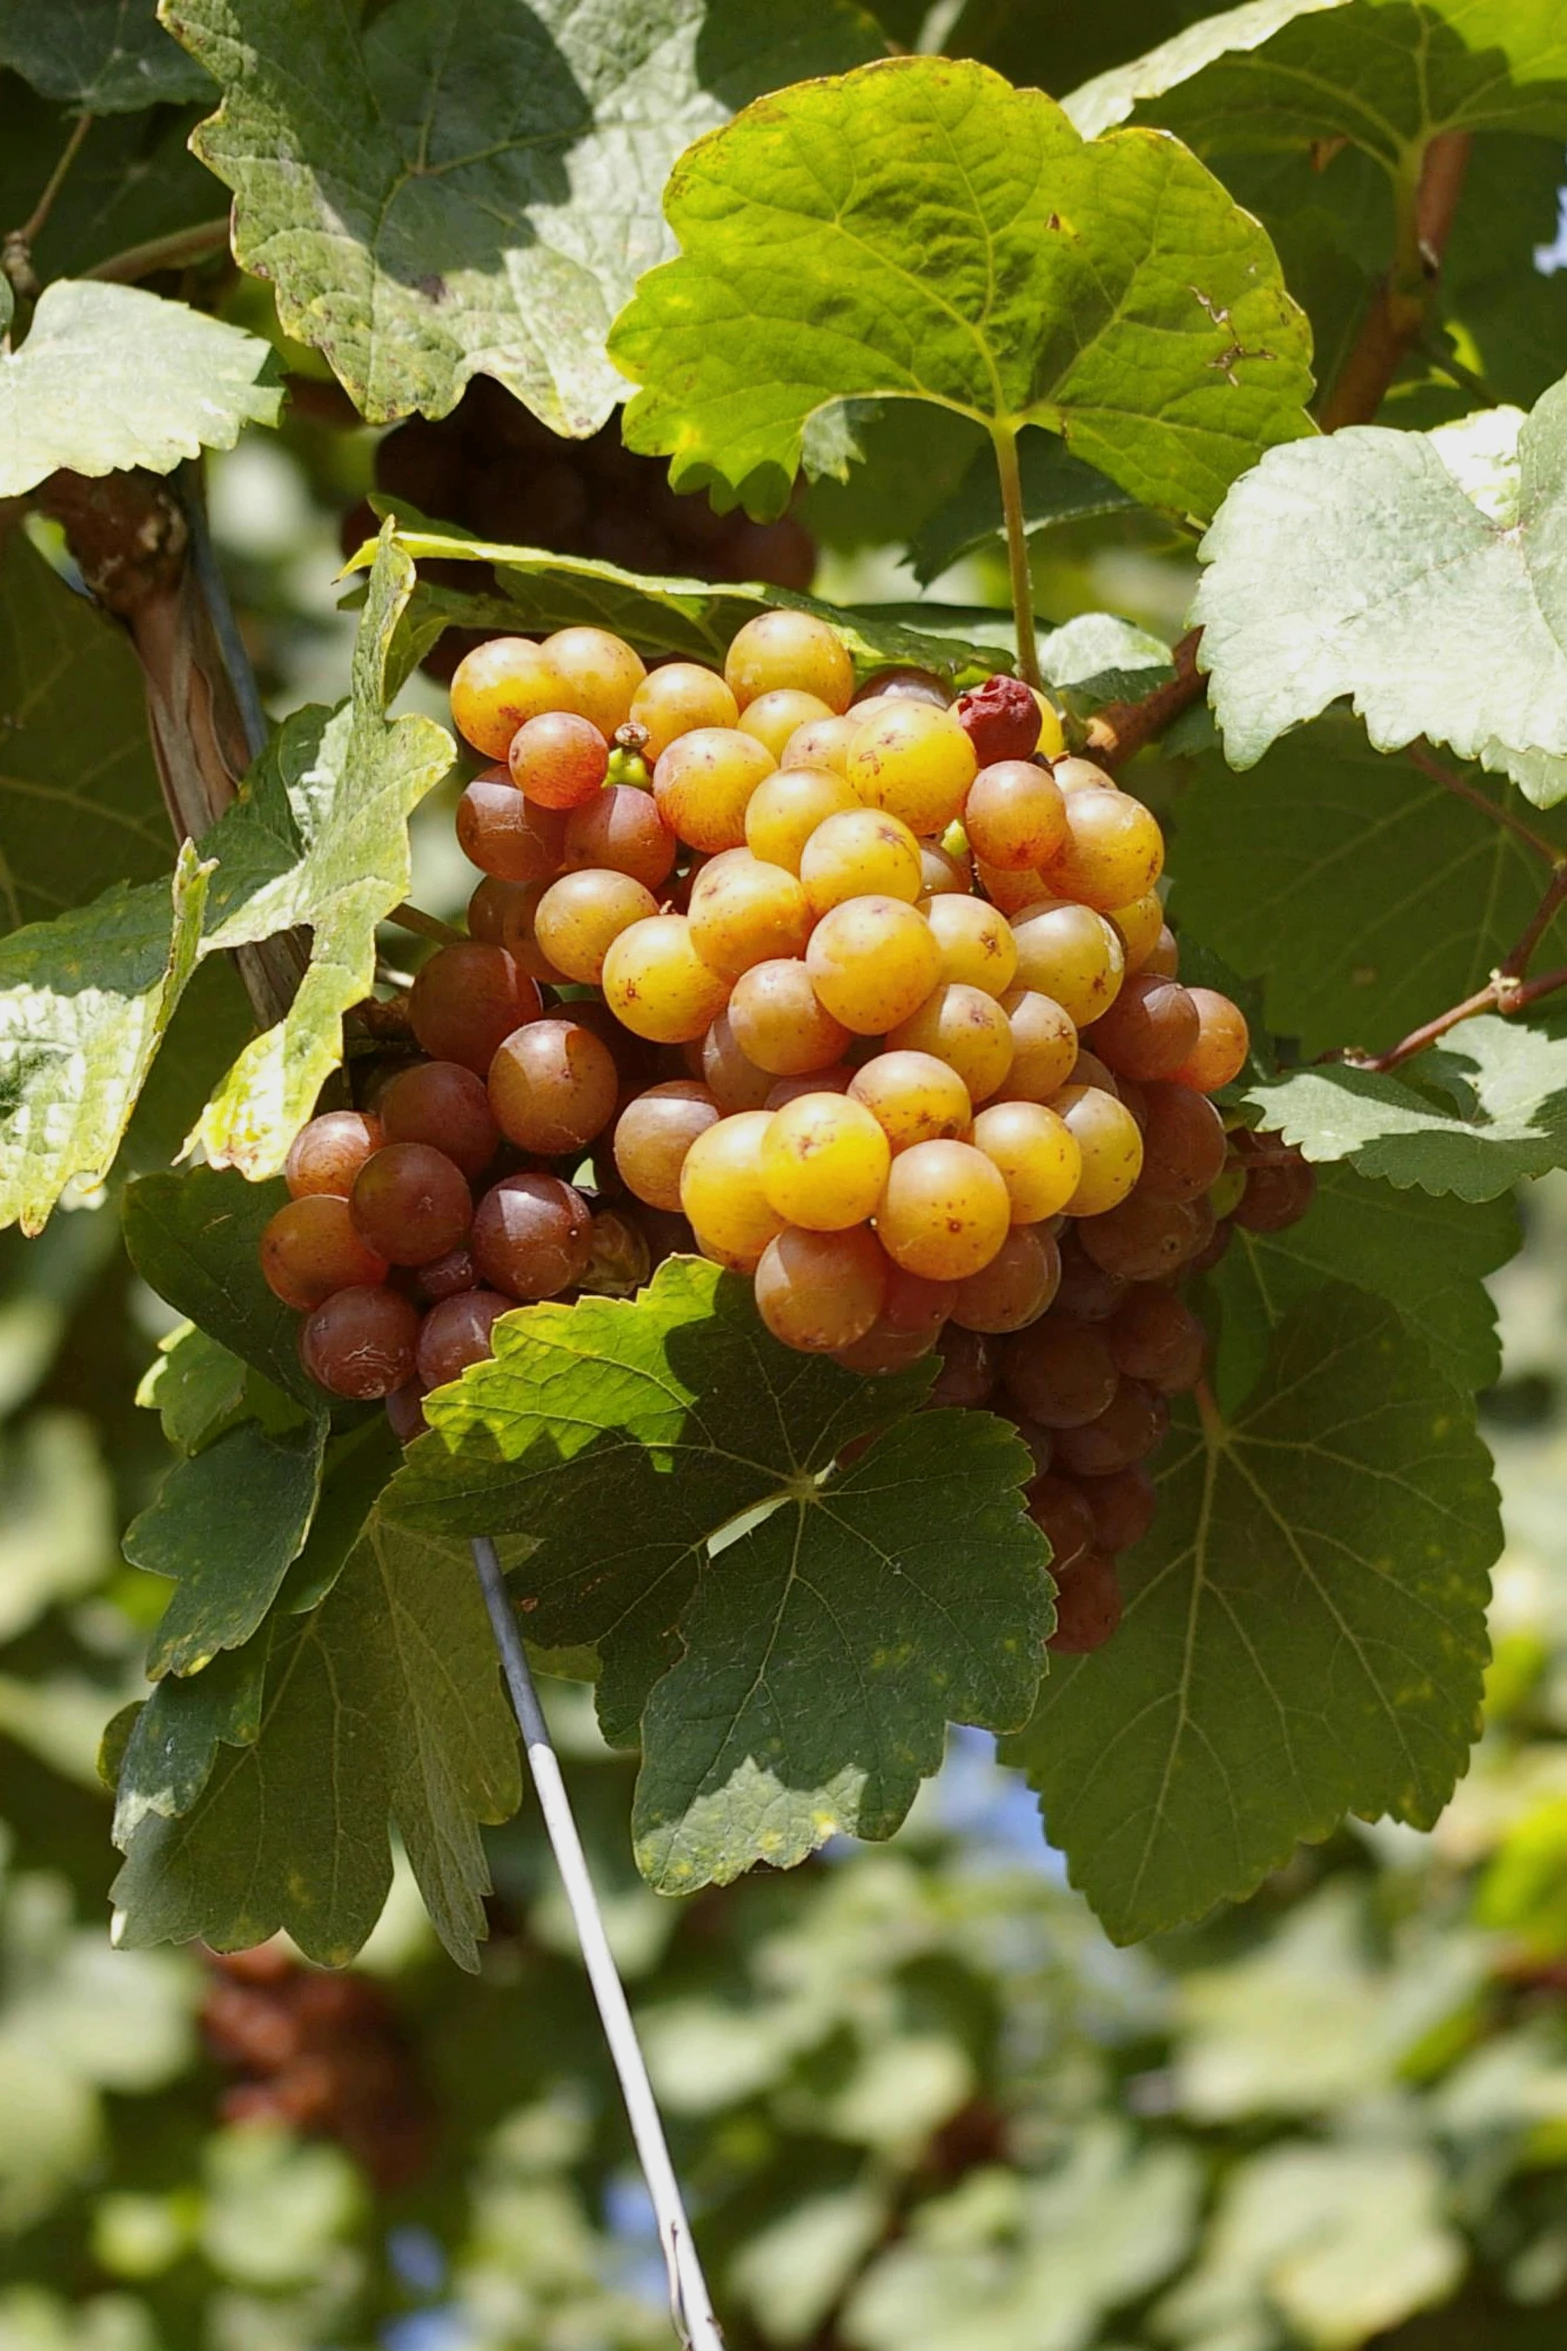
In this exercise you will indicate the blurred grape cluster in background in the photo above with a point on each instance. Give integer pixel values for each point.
(917, 2097)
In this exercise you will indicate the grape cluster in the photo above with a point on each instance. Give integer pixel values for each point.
(868, 996)
(321, 2051)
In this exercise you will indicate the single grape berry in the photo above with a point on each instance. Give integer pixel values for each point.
(1132, 1425)
(558, 761)
(553, 1086)
(1059, 1509)
(360, 1342)
(326, 1155)
(447, 1276)
(311, 1248)
(970, 1369)
(1088, 1606)
(442, 1103)
(466, 999)
(1122, 1506)
(411, 1204)
(1001, 719)
(532, 1236)
(456, 1333)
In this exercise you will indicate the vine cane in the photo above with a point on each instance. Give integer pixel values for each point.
(690, 2303)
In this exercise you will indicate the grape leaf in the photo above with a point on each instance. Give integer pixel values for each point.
(1418, 573)
(1111, 292)
(84, 1002)
(80, 805)
(827, 1649)
(318, 837)
(111, 377)
(430, 209)
(536, 590)
(1057, 488)
(1373, 896)
(1097, 657)
(195, 1239)
(1507, 1084)
(635, 1442)
(104, 56)
(1304, 1632)
(173, 1741)
(1384, 74)
(383, 1702)
(196, 1387)
(227, 1525)
(1429, 1258)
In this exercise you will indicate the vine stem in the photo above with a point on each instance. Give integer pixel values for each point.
(1506, 991)
(1005, 440)
(690, 2303)
(19, 241)
(425, 926)
(1418, 756)
(175, 251)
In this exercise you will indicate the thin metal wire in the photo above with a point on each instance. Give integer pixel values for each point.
(236, 660)
(690, 2303)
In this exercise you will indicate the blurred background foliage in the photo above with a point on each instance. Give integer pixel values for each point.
(918, 2098)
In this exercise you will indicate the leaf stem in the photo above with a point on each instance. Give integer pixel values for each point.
(1426, 194)
(425, 926)
(17, 251)
(1506, 991)
(688, 2295)
(1419, 756)
(1005, 440)
(1122, 728)
(175, 251)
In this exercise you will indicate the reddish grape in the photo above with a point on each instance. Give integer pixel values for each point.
(1015, 1288)
(489, 906)
(915, 1304)
(653, 1134)
(1155, 1336)
(1222, 1042)
(1275, 1197)
(1061, 1374)
(1145, 1237)
(1088, 1606)
(620, 827)
(411, 1204)
(1149, 1030)
(1131, 1425)
(1062, 1516)
(326, 1155)
(1040, 1442)
(1123, 1506)
(443, 1103)
(1001, 719)
(504, 835)
(1184, 1142)
(447, 1276)
(360, 1342)
(532, 1236)
(558, 760)
(1014, 816)
(466, 1000)
(405, 1411)
(311, 1249)
(819, 1291)
(1087, 1292)
(456, 1333)
(884, 1348)
(970, 1368)
(553, 1086)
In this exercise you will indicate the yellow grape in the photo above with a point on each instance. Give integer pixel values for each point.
(914, 761)
(786, 808)
(967, 1030)
(601, 671)
(821, 1292)
(1015, 816)
(860, 853)
(1037, 1153)
(743, 911)
(1113, 851)
(1010, 892)
(772, 718)
(824, 1162)
(780, 649)
(1015, 1288)
(731, 1077)
(653, 1135)
(1052, 734)
(578, 918)
(498, 687)
(944, 1212)
(872, 962)
(913, 1097)
(1223, 1042)
(1076, 774)
(703, 782)
(1071, 953)
(1139, 924)
(780, 1024)
(657, 985)
(680, 696)
(976, 942)
(943, 872)
(721, 1192)
(821, 742)
(1044, 1045)
(1111, 1144)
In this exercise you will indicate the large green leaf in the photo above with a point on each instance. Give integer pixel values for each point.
(195, 1239)
(1111, 291)
(173, 1741)
(827, 1649)
(84, 1002)
(384, 1702)
(1384, 74)
(1429, 1258)
(637, 1444)
(1419, 573)
(1491, 1109)
(112, 377)
(431, 207)
(105, 56)
(319, 837)
(1304, 1632)
(80, 805)
(227, 1525)
(1372, 896)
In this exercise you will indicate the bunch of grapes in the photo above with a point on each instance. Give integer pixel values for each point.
(322, 2051)
(868, 996)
